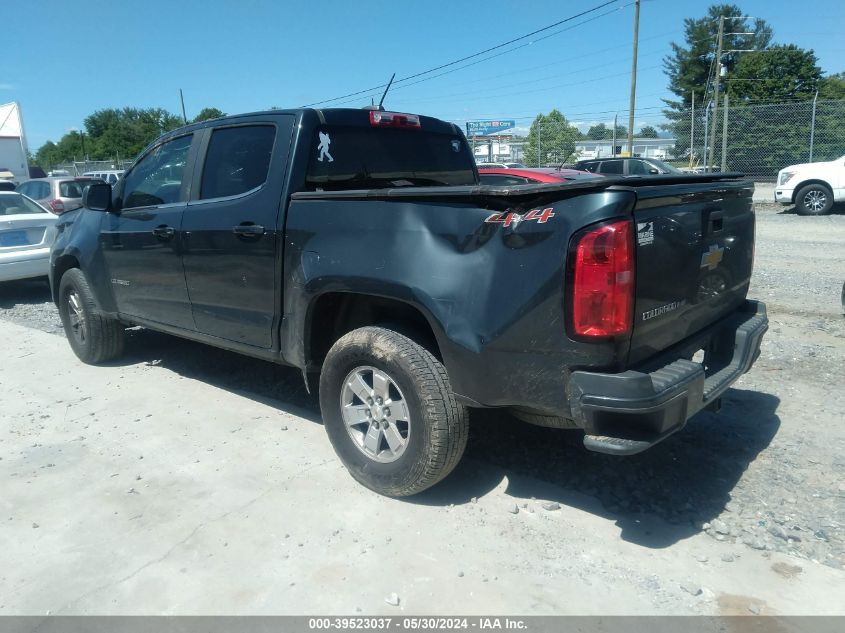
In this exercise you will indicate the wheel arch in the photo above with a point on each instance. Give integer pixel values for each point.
(332, 314)
(811, 181)
(60, 267)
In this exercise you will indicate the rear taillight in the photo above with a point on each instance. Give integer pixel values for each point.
(393, 119)
(603, 281)
(57, 206)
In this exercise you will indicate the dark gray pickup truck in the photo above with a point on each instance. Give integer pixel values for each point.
(358, 246)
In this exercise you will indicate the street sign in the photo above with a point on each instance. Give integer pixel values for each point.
(483, 128)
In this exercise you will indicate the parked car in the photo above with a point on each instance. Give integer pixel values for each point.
(528, 175)
(812, 187)
(59, 194)
(7, 185)
(26, 232)
(360, 247)
(625, 166)
(108, 175)
(500, 165)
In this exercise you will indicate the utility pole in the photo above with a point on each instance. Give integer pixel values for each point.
(813, 125)
(716, 91)
(539, 142)
(692, 130)
(182, 99)
(633, 80)
(613, 150)
(725, 134)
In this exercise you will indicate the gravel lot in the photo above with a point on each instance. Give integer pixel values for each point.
(768, 472)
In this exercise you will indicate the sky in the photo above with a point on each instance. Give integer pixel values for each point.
(69, 59)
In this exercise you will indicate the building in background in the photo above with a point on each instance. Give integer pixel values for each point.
(659, 148)
(13, 150)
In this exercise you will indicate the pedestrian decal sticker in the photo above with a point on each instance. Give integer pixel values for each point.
(323, 147)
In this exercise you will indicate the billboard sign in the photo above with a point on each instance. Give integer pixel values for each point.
(483, 128)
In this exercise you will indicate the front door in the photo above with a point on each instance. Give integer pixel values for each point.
(141, 242)
(230, 230)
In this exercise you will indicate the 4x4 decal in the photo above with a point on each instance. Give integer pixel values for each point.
(540, 216)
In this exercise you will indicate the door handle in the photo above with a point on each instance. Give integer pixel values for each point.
(248, 230)
(164, 232)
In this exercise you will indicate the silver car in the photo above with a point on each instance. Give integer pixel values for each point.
(57, 193)
(26, 233)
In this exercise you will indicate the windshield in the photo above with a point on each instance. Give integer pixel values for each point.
(351, 157)
(664, 167)
(17, 204)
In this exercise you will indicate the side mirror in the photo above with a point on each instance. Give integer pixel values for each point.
(653, 171)
(97, 197)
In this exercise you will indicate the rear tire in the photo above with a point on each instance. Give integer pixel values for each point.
(93, 337)
(405, 431)
(814, 199)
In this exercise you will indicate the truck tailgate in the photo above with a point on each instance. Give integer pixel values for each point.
(694, 256)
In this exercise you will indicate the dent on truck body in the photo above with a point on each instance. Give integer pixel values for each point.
(492, 294)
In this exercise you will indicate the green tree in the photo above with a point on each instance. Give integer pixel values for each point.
(832, 87)
(691, 65)
(602, 132)
(781, 73)
(208, 113)
(110, 134)
(551, 140)
(647, 131)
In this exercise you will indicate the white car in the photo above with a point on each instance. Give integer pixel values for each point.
(27, 231)
(812, 187)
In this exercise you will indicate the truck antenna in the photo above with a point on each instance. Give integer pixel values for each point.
(389, 83)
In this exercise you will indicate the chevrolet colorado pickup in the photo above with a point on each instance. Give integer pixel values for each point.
(359, 247)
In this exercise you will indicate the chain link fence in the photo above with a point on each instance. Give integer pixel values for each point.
(755, 139)
(77, 168)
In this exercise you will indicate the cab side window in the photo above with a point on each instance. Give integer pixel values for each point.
(157, 178)
(237, 161)
(638, 167)
(612, 167)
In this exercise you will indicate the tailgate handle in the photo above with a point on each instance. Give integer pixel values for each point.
(714, 222)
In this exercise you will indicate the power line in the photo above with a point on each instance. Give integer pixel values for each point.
(506, 52)
(468, 57)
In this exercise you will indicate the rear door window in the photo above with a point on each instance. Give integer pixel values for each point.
(353, 157)
(237, 160)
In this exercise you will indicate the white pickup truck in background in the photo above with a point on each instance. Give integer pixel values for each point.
(812, 187)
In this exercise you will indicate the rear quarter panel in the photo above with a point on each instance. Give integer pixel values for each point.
(493, 294)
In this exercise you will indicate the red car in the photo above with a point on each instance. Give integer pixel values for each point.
(500, 176)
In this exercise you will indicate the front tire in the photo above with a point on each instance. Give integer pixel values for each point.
(390, 413)
(93, 337)
(814, 199)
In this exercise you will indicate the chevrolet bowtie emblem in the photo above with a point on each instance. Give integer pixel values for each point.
(712, 257)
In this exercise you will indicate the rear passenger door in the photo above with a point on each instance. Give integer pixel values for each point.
(231, 232)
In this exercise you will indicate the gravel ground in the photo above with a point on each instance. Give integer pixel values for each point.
(767, 472)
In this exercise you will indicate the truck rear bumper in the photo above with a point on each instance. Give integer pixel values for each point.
(629, 412)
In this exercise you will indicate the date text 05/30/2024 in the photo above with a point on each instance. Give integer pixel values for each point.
(416, 623)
